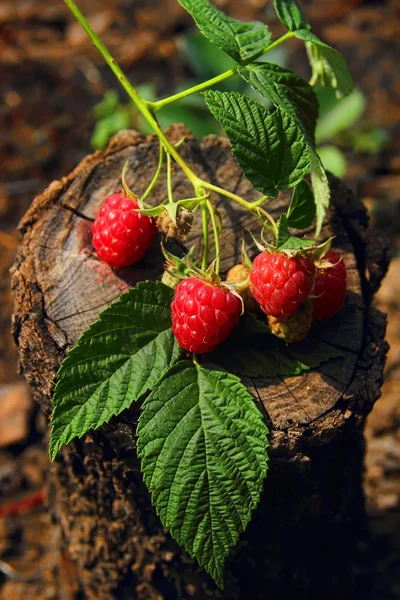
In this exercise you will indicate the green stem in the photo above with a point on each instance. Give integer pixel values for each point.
(141, 104)
(169, 179)
(215, 80)
(196, 88)
(248, 205)
(156, 175)
(271, 221)
(196, 360)
(259, 202)
(216, 236)
(204, 216)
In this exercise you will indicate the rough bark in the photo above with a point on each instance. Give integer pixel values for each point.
(300, 540)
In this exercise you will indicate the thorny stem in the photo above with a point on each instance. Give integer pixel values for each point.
(216, 236)
(215, 80)
(204, 217)
(156, 174)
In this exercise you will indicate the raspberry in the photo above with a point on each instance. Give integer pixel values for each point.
(239, 275)
(122, 236)
(293, 328)
(279, 283)
(203, 314)
(330, 287)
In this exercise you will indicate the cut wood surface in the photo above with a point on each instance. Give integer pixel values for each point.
(110, 529)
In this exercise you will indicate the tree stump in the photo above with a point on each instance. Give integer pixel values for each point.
(301, 538)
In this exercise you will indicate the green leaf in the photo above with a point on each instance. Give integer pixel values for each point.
(320, 187)
(326, 63)
(268, 145)
(202, 442)
(290, 15)
(118, 359)
(286, 241)
(284, 89)
(303, 109)
(203, 58)
(302, 209)
(242, 41)
(249, 324)
(266, 356)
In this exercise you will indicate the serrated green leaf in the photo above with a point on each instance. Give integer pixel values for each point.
(320, 187)
(202, 442)
(291, 103)
(311, 352)
(249, 324)
(118, 359)
(301, 211)
(284, 89)
(203, 58)
(268, 145)
(241, 40)
(290, 15)
(286, 241)
(326, 63)
(266, 356)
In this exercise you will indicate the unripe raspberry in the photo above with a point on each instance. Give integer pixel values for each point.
(178, 230)
(122, 236)
(203, 314)
(295, 327)
(168, 278)
(280, 283)
(239, 276)
(330, 287)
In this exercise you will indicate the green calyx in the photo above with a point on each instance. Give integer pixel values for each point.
(175, 268)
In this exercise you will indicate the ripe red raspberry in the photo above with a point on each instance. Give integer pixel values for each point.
(203, 314)
(122, 236)
(280, 283)
(330, 287)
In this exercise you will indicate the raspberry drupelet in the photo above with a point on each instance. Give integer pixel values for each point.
(203, 314)
(280, 283)
(122, 236)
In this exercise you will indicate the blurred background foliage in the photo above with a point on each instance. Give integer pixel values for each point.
(342, 122)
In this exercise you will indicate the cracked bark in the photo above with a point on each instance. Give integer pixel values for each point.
(301, 538)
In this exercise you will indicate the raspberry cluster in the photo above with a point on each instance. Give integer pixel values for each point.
(280, 284)
(293, 291)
